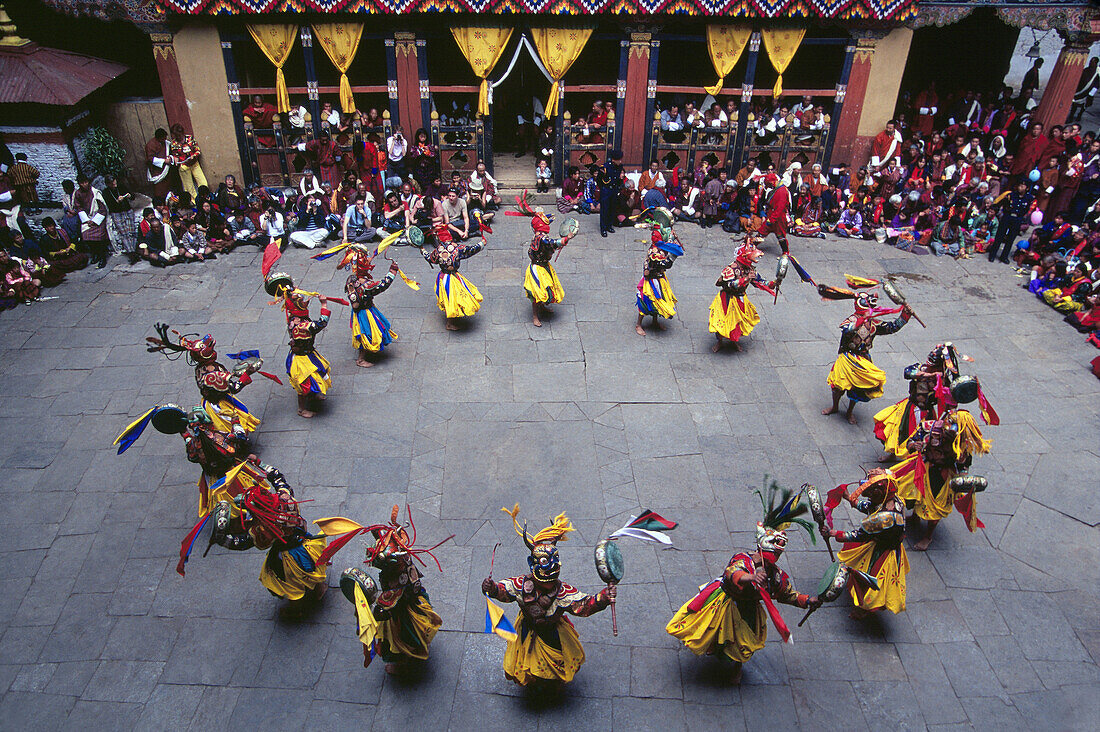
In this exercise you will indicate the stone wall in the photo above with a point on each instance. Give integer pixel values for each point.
(54, 159)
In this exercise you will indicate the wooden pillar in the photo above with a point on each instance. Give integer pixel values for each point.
(850, 101)
(391, 84)
(171, 85)
(408, 83)
(248, 164)
(305, 33)
(1064, 77)
(838, 103)
(746, 103)
(634, 87)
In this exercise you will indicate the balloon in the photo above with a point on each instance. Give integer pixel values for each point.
(1023, 244)
(1036, 217)
(1033, 176)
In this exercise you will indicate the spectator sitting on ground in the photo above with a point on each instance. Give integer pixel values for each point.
(457, 217)
(543, 176)
(311, 230)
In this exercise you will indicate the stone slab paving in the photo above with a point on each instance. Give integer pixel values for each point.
(97, 629)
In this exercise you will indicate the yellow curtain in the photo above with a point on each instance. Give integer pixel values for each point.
(341, 42)
(482, 46)
(781, 44)
(276, 41)
(725, 44)
(558, 48)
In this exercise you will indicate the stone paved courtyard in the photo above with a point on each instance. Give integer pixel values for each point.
(99, 632)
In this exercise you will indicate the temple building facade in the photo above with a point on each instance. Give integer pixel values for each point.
(487, 80)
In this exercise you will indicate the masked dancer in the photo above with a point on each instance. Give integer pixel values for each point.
(546, 646)
(933, 479)
(931, 388)
(732, 315)
(216, 383)
(370, 330)
(308, 369)
(457, 297)
(875, 546)
(853, 373)
(541, 281)
(728, 617)
(395, 618)
(655, 296)
(266, 516)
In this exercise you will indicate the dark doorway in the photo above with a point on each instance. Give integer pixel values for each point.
(971, 54)
(515, 102)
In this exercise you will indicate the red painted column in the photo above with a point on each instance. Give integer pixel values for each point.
(1064, 77)
(633, 121)
(171, 85)
(408, 83)
(847, 127)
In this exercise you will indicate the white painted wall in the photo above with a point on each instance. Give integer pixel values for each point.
(1051, 45)
(53, 160)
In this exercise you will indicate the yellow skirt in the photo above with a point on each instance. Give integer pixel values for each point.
(370, 330)
(659, 300)
(408, 633)
(529, 657)
(296, 580)
(736, 319)
(857, 376)
(719, 628)
(542, 284)
(309, 373)
(225, 413)
(888, 423)
(891, 577)
(456, 296)
(928, 506)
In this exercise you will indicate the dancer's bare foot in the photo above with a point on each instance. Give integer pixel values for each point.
(536, 322)
(735, 675)
(851, 418)
(736, 346)
(363, 363)
(716, 348)
(885, 458)
(923, 544)
(639, 330)
(858, 613)
(451, 325)
(657, 325)
(303, 412)
(391, 668)
(830, 410)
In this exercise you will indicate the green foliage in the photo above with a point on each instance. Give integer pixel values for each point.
(104, 153)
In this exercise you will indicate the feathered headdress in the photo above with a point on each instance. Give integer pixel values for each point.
(552, 534)
(783, 507)
(391, 536)
(196, 349)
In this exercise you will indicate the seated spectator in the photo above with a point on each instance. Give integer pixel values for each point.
(947, 237)
(273, 225)
(393, 213)
(311, 230)
(194, 245)
(212, 225)
(457, 217)
(59, 250)
(650, 178)
(543, 176)
(850, 224)
(17, 284)
(356, 226)
(243, 230)
(483, 188)
(158, 247)
(231, 198)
